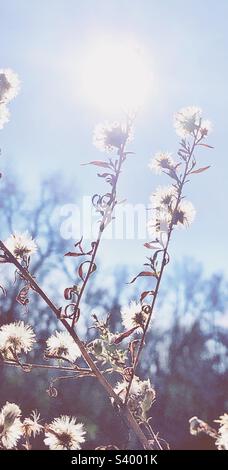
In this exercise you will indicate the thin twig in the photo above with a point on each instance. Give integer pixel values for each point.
(48, 367)
(108, 211)
(163, 264)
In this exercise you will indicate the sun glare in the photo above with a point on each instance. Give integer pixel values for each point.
(116, 76)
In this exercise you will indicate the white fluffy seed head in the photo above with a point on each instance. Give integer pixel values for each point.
(111, 136)
(64, 434)
(162, 161)
(21, 245)
(9, 85)
(61, 344)
(16, 337)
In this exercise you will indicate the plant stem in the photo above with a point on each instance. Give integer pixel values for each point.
(125, 412)
(163, 264)
(109, 208)
(48, 367)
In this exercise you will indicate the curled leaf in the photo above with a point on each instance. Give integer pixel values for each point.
(124, 335)
(69, 292)
(133, 346)
(72, 311)
(142, 274)
(145, 293)
(22, 297)
(52, 392)
(91, 269)
(81, 252)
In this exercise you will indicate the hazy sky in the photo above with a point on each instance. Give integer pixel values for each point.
(186, 44)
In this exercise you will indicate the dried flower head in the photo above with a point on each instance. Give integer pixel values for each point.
(31, 426)
(162, 161)
(9, 412)
(10, 425)
(141, 397)
(64, 434)
(206, 127)
(61, 344)
(196, 425)
(16, 338)
(164, 196)
(21, 245)
(134, 315)
(222, 441)
(159, 222)
(184, 214)
(4, 115)
(121, 387)
(9, 85)
(109, 137)
(188, 121)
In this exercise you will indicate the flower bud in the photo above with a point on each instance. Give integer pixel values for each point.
(98, 347)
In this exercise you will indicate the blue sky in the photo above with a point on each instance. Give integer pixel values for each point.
(52, 119)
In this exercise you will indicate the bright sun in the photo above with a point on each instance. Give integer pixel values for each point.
(115, 76)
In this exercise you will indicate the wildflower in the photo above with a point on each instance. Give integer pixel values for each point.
(159, 222)
(109, 137)
(206, 127)
(162, 161)
(16, 338)
(31, 426)
(222, 441)
(134, 315)
(10, 425)
(64, 434)
(61, 344)
(9, 412)
(121, 387)
(188, 121)
(9, 85)
(21, 245)
(164, 196)
(4, 115)
(141, 397)
(184, 214)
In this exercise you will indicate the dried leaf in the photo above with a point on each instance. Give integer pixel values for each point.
(142, 274)
(124, 335)
(22, 297)
(206, 145)
(97, 163)
(133, 347)
(200, 170)
(68, 293)
(52, 392)
(151, 246)
(92, 268)
(81, 253)
(145, 293)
